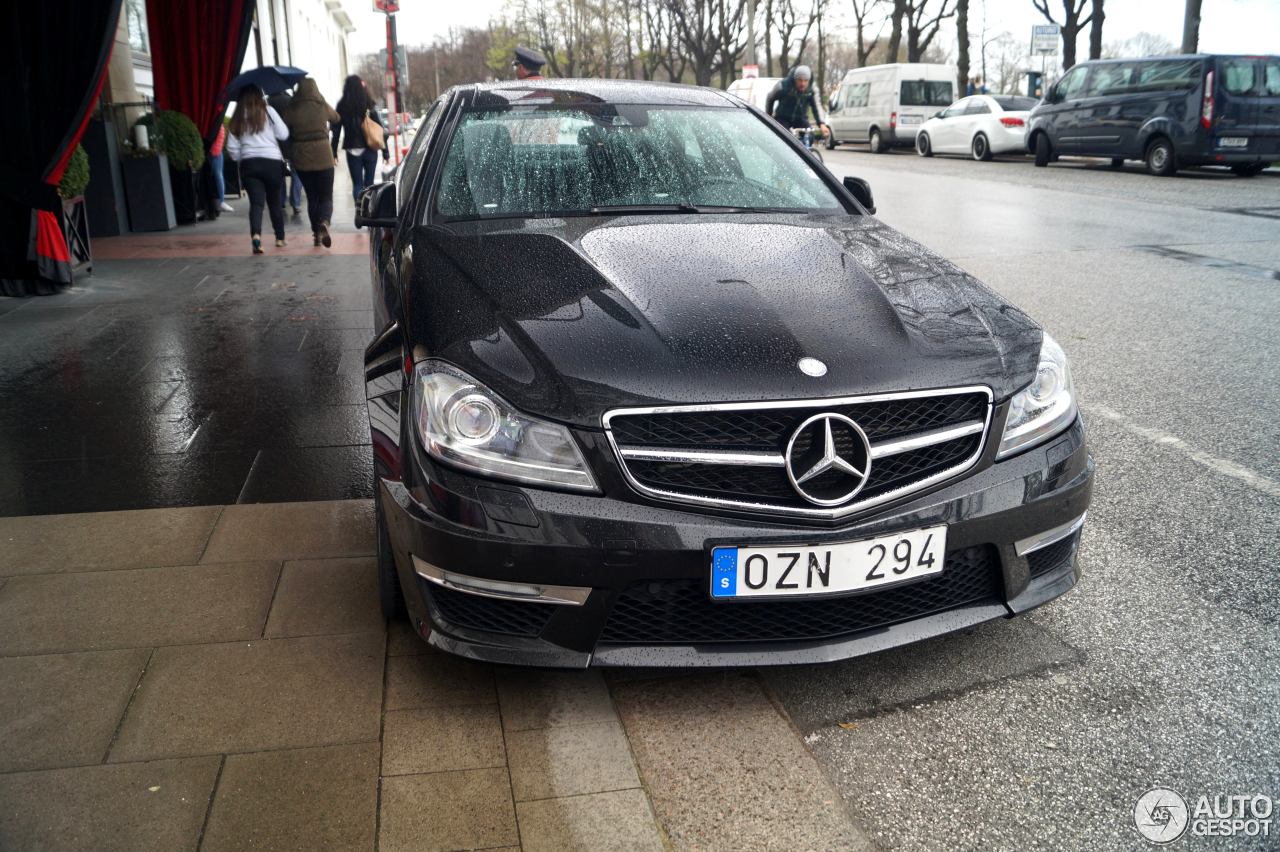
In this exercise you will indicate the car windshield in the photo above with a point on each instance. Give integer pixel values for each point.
(605, 158)
(1010, 103)
(926, 93)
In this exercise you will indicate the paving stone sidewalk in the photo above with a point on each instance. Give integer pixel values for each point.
(220, 678)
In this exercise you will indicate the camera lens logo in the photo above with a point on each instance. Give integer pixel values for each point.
(1161, 815)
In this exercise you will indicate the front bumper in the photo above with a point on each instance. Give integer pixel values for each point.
(647, 566)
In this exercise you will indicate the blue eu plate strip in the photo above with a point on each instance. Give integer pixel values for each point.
(724, 572)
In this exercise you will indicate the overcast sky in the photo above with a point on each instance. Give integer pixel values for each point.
(1227, 26)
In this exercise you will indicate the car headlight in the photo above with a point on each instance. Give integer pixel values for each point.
(463, 423)
(1043, 408)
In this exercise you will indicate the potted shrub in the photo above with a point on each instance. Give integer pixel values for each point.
(75, 222)
(174, 135)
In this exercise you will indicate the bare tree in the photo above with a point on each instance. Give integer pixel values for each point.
(962, 39)
(1095, 31)
(710, 33)
(1191, 27)
(1071, 25)
(863, 12)
(921, 28)
(1008, 54)
(900, 8)
(794, 27)
(1142, 44)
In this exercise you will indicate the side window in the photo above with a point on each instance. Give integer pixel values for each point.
(1170, 75)
(1112, 78)
(977, 106)
(408, 172)
(1238, 76)
(1271, 78)
(1072, 84)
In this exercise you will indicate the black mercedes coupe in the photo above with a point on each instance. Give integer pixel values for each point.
(652, 387)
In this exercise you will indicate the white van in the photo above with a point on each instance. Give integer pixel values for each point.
(885, 104)
(753, 90)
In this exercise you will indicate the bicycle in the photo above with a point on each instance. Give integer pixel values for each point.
(805, 135)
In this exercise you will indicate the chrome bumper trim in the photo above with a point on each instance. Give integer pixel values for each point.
(501, 589)
(1030, 544)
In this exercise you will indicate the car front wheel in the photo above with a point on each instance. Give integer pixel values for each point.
(922, 145)
(831, 142)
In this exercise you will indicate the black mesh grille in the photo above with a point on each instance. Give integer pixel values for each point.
(514, 618)
(681, 612)
(1054, 556)
(769, 430)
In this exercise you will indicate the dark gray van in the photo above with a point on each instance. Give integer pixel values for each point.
(1167, 111)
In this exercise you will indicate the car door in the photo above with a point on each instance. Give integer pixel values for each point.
(836, 118)
(1061, 111)
(948, 135)
(1107, 102)
(976, 114)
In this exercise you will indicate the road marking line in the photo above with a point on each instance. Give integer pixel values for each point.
(201, 281)
(1224, 466)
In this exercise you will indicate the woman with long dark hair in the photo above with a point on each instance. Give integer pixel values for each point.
(354, 106)
(309, 117)
(256, 133)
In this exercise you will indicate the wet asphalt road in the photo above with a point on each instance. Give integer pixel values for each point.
(1163, 666)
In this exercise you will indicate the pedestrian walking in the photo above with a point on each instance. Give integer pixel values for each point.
(355, 109)
(215, 165)
(280, 103)
(309, 118)
(254, 142)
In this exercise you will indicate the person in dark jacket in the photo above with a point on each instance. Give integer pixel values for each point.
(280, 103)
(362, 160)
(793, 100)
(309, 117)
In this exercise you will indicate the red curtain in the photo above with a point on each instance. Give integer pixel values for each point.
(54, 72)
(196, 48)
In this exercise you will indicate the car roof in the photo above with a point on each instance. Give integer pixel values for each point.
(582, 92)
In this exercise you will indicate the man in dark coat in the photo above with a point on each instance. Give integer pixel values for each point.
(793, 100)
(528, 64)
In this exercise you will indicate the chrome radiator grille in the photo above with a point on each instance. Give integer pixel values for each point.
(735, 455)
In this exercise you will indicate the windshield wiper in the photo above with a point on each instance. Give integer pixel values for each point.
(686, 207)
(682, 207)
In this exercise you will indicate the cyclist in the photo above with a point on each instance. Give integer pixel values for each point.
(793, 100)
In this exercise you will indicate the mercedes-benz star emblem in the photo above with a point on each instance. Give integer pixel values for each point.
(828, 459)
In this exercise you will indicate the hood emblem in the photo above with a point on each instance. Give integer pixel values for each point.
(828, 459)
(812, 367)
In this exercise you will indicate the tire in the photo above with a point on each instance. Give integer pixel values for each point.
(1160, 157)
(1043, 150)
(875, 141)
(1248, 169)
(980, 148)
(1117, 162)
(390, 595)
(923, 148)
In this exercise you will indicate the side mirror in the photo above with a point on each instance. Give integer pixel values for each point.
(861, 190)
(377, 207)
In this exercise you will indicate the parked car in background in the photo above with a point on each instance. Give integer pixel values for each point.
(980, 126)
(1170, 112)
(754, 90)
(884, 105)
(651, 387)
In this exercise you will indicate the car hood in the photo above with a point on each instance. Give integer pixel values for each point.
(569, 318)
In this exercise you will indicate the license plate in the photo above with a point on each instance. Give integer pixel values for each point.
(789, 571)
(1233, 142)
(909, 119)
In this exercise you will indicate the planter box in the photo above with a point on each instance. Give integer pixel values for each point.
(104, 199)
(75, 227)
(185, 197)
(150, 195)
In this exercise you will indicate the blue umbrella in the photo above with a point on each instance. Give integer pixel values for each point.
(269, 78)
